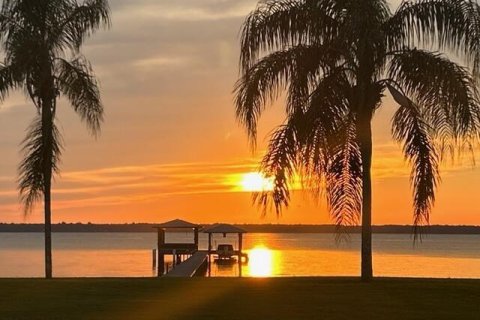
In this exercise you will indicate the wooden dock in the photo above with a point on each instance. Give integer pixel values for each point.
(197, 264)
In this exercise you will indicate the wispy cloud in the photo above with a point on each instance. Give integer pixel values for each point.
(123, 185)
(161, 61)
(14, 101)
(188, 10)
(120, 185)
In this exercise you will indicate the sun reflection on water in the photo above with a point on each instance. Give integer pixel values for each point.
(261, 262)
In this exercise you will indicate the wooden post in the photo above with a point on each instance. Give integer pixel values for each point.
(209, 258)
(240, 246)
(195, 236)
(161, 256)
(209, 243)
(209, 254)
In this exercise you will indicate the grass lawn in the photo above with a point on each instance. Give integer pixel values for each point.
(233, 298)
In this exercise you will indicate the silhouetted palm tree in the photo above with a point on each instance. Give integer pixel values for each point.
(41, 40)
(334, 59)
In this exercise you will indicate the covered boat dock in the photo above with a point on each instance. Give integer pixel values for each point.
(187, 259)
(178, 251)
(224, 229)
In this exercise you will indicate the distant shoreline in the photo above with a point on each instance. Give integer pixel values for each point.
(251, 228)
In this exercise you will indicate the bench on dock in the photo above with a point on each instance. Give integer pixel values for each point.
(195, 265)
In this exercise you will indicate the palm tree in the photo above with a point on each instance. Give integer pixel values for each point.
(41, 40)
(333, 61)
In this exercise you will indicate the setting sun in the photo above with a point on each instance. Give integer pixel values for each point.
(254, 181)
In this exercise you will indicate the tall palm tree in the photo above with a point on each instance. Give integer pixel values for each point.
(333, 60)
(41, 40)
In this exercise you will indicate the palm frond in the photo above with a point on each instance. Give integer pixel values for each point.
(7, 81)
(307, 144)
(451, 24)
(278, 164)
(318, 143)
(264, 81)
(445, 92)
(53, 25)
(83, 20)
(344, 177)
(8, 22)
(9, 17)
(31, 179)
(318, 129)
(275, 25)
(21, 50)
(409, 128)
(77, 82)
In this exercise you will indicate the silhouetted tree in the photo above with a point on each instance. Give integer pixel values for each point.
(41, 40)
(334, 60)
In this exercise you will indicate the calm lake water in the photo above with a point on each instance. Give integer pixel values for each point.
(130, 255)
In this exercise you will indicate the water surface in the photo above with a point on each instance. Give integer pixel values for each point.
(130, 255)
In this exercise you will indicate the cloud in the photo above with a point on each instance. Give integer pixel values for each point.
(161, 61)
(186, 10)
(13, 102)
(117, 186)
(121, 185)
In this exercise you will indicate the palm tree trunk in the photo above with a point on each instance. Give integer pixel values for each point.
(365, 138)
(47, 134)
(48, 233)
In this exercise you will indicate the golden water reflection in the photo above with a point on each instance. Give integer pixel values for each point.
(261, 262)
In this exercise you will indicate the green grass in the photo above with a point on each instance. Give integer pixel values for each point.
(233, 298)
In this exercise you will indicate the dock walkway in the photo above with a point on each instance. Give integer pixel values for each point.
(194, 265)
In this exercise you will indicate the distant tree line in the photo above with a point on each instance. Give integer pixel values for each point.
(251, 228)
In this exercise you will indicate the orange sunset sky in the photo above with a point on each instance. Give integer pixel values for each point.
(170, 146)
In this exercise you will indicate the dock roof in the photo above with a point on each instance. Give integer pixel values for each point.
(177, 224)
(224, 228)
